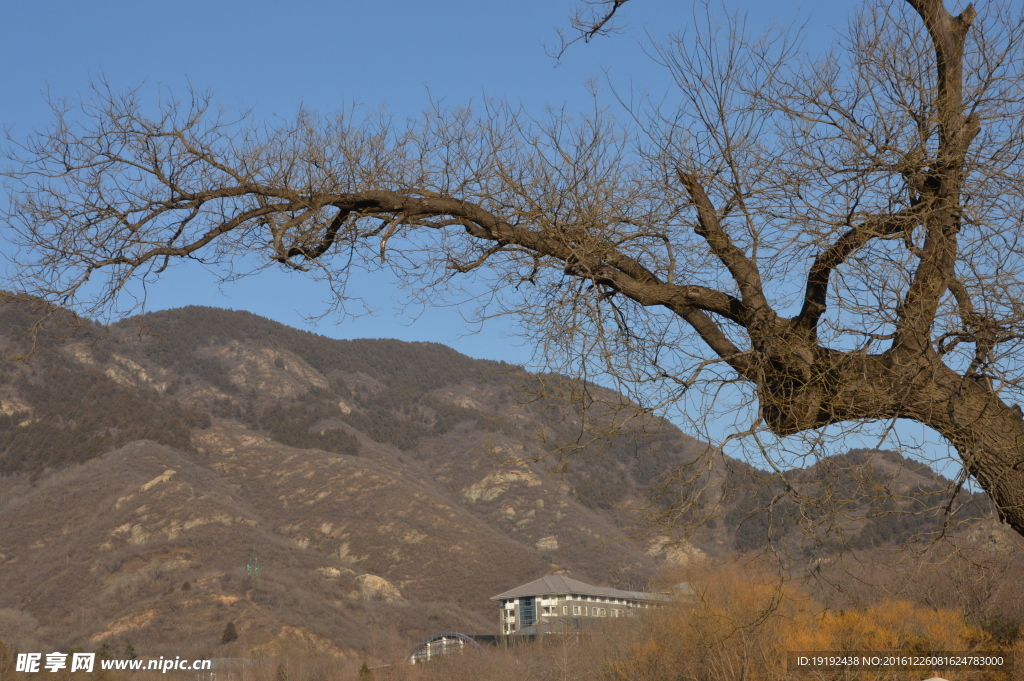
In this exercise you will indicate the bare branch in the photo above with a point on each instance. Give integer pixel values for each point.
(742, 269)
(594, 21)
(816, 293)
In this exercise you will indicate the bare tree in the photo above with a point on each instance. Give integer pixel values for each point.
(833, 239)
(591, 19)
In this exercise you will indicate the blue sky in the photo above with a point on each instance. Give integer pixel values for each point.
(274, 58)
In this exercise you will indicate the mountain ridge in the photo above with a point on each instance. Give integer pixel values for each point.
(380, 486)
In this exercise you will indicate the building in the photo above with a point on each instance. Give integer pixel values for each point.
(445, 644)
(556, 603)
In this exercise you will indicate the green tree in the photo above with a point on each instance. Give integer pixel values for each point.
(230, 633)
(836, 237)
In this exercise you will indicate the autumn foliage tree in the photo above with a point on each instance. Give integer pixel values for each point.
(741, 623)
(836, 238)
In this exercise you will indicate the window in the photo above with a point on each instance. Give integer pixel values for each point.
(528, 610)
(565, 609)
(575, 609)
(615, 612)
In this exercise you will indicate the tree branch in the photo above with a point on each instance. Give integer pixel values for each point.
(589, 27)
(743, 270)
(941, 198)
(816, 292)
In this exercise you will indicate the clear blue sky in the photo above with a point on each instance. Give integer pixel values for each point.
(274, 57)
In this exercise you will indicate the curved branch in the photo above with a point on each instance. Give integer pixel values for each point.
(189, 248)
(600, 263)
(816, 293)
(590, 27)
(328, 240)
(743, 270)
(957, 130)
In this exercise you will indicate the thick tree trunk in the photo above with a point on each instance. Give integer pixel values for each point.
(987, 433)
(803, 387)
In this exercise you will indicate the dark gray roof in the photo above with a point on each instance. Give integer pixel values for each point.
(558, 584)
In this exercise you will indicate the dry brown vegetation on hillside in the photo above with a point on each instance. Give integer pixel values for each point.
(742, 623)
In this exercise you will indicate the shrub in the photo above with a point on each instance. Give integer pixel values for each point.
(230, 633)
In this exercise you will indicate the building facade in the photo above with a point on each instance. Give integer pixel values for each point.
(557, 603)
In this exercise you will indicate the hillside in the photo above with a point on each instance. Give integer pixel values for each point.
(379, 485)
(382, 488)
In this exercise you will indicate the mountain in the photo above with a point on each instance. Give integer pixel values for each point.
(378, 485)
(335, 494)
